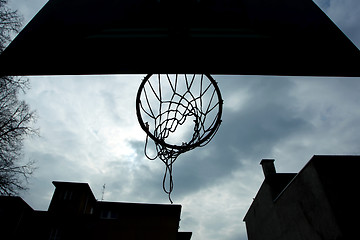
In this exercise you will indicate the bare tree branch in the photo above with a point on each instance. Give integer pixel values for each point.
(10, 22)
(15, 116)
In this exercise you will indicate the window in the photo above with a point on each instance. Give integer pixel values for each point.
(67, 195)
(108, 214)
(55, 234)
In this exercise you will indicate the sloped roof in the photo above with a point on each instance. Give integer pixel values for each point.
(74, 185)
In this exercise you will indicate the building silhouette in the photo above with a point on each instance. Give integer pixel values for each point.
(319, 202)
(74, 213)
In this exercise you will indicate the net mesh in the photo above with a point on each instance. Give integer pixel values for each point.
(179, 113)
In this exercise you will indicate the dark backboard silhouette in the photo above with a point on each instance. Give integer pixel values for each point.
(255, 37)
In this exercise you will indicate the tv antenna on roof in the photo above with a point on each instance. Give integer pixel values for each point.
(103, 192)
(179, 113)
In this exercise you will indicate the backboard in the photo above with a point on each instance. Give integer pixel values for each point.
(244, 37)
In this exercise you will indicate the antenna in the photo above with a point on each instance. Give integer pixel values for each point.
(103, 192)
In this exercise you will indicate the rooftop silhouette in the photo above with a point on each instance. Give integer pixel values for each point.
(74, 213)
(316, 203)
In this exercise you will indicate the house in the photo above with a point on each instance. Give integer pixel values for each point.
(319, 202)
(74, 213)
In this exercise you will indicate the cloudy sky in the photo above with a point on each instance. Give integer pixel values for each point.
(89, 133)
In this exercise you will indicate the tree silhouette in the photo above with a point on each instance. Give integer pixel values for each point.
(15, 116)
(10, 23)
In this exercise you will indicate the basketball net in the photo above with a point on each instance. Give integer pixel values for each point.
(179, 113)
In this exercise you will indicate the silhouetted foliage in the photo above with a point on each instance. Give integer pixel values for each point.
(15, 116)
(10, 22)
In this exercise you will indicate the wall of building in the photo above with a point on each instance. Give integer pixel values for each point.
(261, 219)
(304, 210)
(72, 198)
(319, 203)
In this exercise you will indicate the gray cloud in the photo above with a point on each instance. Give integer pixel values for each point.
(289, 119)
(345, 14)
(250, 133)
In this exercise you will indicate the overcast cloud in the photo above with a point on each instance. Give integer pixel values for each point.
(89, 133)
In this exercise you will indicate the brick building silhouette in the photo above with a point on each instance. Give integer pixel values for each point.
(74, 213)
(320, 202)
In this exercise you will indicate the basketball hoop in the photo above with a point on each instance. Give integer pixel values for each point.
(179, 113)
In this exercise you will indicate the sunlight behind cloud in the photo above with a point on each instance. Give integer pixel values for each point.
(236, 100)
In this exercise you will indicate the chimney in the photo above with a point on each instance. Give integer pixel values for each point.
(268, 167)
